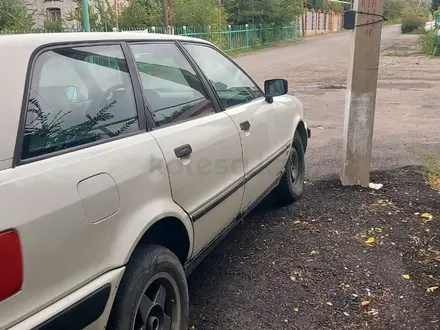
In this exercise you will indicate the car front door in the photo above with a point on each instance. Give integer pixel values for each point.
(201, 145)
(264, 132)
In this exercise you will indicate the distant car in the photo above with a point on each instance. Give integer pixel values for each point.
(124, 159)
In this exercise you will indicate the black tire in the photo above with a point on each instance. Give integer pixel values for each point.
(291, 188)
(151, 270)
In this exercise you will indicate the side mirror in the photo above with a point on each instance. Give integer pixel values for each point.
(72, 93)
(275, 87)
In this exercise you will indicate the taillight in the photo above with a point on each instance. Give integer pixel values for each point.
(11, 266)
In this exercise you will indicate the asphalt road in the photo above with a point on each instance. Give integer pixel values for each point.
(406, 121)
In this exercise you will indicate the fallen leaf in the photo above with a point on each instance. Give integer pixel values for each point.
(432, 289)
(296, 309)
(329, 303)
(365, 303)
(427, 216)
(370, 240)
(314, 252)
(293, 278)
(297, 222)
(346, 314)
(405, 276)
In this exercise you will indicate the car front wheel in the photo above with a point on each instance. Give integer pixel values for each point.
(153, 294)
(291, 186)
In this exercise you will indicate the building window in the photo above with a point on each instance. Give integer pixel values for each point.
(54, 14)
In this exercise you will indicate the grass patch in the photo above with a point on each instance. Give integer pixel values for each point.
(397, 53)
(432, 175)
(237, 52)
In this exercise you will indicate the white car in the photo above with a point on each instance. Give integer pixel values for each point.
(124, 159)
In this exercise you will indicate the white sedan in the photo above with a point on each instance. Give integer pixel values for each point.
(124, 159)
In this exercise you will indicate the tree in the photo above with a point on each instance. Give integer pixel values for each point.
(262, 11)
(198, 13)
(52, 25)
(435, 5)
(14, 16)
(393, 8)
(335, 6)
(140, 14)
(101, 15)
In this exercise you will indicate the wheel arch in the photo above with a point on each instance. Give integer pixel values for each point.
(301, 129)
(155, 228)
(169, 232)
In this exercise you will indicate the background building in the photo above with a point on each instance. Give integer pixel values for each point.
(63, 10)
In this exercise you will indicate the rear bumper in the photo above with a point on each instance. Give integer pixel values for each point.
(88, 307)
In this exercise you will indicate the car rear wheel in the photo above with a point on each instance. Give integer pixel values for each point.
(291, 186)
(153, 294)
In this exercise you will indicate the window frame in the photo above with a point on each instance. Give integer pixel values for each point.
(135, 84)
(228, 58)
(51, 10)
(205, 83)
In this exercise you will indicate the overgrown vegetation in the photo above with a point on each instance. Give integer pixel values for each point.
(427, 41)
(101, 15)
(433, 170)
(411, 23)
(14, 16)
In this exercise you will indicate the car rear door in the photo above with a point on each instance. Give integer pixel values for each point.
(264, 130)
(201, 145)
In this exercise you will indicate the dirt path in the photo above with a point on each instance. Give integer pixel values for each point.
(407, 116)
(307, 266)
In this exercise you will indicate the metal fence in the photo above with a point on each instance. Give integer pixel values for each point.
(238, 36)
(228, 38)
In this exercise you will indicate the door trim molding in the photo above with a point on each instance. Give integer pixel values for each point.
(216, 200)
(222, 196)
(196, 260)
(259, 168)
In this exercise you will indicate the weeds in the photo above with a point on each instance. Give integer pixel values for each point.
(432, 174)
(427, 41)
(398, 53)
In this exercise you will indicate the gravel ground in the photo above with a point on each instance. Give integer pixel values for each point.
(307, 266)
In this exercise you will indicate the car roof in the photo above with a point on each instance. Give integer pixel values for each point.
(35, 40)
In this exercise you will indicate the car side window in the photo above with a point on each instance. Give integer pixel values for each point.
(78, 95)
(171, 87)
(232, 86)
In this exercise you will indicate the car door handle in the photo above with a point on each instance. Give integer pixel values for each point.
(245, 125)
(183, 151)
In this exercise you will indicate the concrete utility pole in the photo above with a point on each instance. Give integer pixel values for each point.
(360, 101)
(85, 16)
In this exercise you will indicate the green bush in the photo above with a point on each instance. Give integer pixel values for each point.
(411, 24)
(427, 41)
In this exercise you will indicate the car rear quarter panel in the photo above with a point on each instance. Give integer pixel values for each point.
(62, 250)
